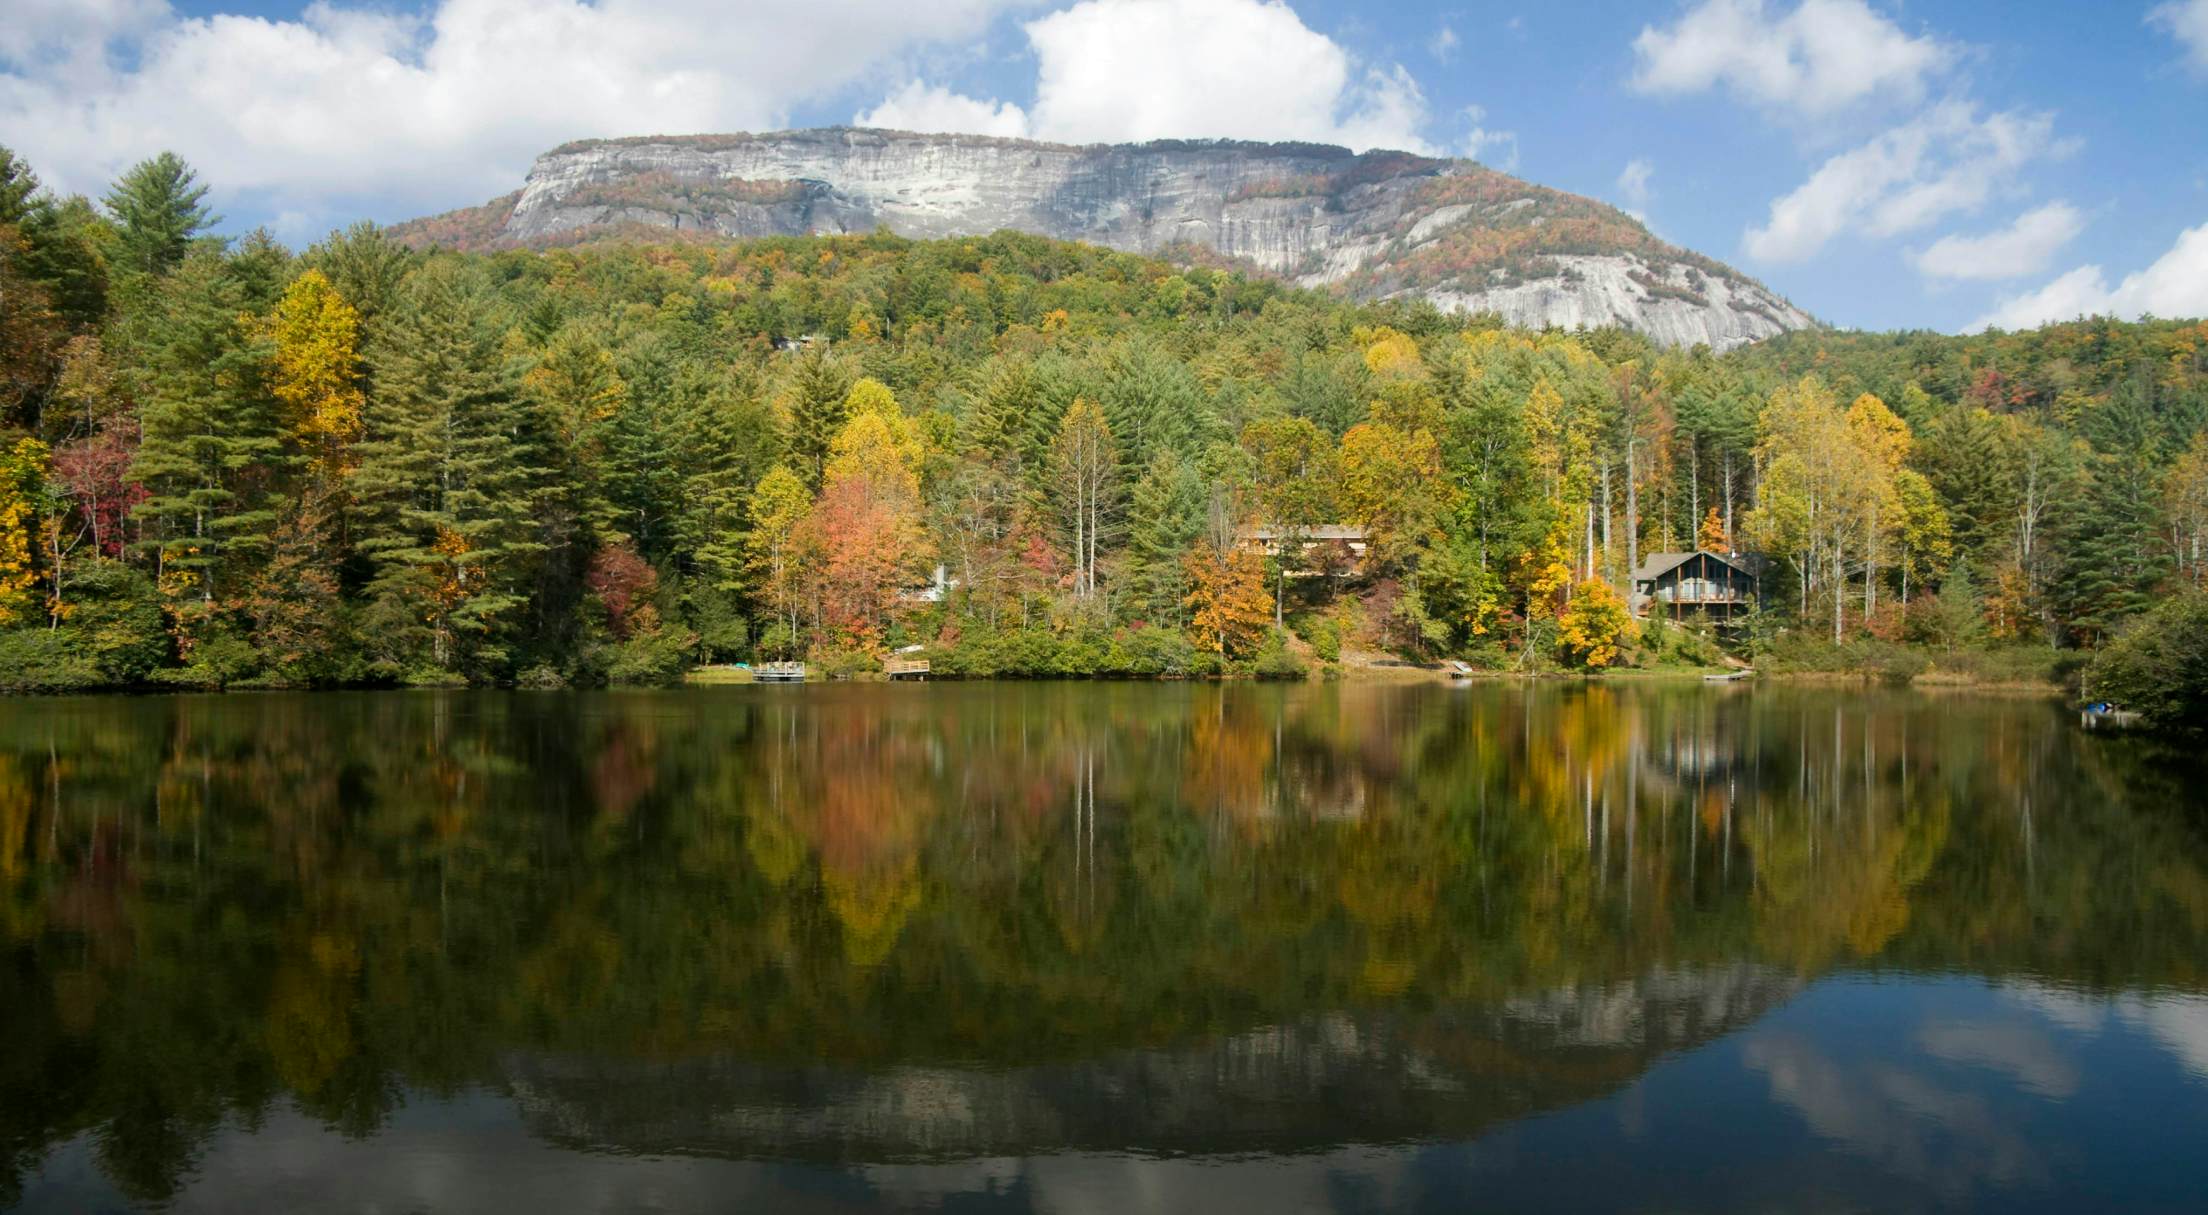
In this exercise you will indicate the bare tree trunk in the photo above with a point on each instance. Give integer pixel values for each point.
(1632, 513)
(1694, 492)
(1590, 541)
(1729, 532)
(1609, 563)
(1870, 568)
(1839, 590)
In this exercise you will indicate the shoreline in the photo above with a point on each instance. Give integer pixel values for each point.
(1407, 673)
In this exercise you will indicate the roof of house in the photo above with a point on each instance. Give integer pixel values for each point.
(1320, 531)
(1656, 565)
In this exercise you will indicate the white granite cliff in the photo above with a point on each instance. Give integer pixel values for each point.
(1377, 225)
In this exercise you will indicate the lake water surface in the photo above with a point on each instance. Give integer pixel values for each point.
(1098, 948)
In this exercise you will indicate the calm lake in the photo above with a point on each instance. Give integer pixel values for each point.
(1098, 948)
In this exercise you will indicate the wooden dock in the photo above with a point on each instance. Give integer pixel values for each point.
(905, 668)
(779, 672)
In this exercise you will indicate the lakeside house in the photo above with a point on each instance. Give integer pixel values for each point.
(1722, 586)
(937, 587)
(1323, 548)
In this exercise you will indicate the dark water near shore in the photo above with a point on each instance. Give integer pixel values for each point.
(1098, 948)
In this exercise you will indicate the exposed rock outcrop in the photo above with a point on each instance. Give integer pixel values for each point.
(1375, 225)
(1303, 1086)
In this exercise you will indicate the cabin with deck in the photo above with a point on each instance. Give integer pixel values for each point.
(1718, 585)
(1322, 550)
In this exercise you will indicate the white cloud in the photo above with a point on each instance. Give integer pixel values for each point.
(1495, 149)
(2186, 21)
(924, 107)
(1115, 70)
(1945, 160)
(349, 102)
(1443, 45)
(2024, 247)
(1633, 182)
(2176, 285)
(1822, 57)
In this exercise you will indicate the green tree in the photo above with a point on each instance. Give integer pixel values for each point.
(1958, 617)
(817, 409)
(1165, 517)
(60, 244)
(448, 485)
(2158, 668)
(209, 444)
(158, 213)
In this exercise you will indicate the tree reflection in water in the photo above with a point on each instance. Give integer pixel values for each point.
(861, 923)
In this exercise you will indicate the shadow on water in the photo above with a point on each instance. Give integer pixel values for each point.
(864, 945)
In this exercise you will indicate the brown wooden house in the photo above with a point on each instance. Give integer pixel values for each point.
(1715, 584)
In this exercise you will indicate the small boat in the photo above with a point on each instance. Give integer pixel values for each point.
(1729, 677)
(2102, 715)
(1461, 670)
(779, 672)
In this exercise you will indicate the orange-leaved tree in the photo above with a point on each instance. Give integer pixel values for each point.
(1229, 609)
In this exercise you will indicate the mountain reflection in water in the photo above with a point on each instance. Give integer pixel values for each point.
(1096, 946)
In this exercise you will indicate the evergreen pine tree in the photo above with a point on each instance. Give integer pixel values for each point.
(20, 195)
(996, 421)
(1165, 517)
(59, 252)
(2114, 560)
(365, 266)
(723, 439)
(1959, 612)
(448, 485)
(1962, 456)
(157, 207)
(817, 412)
(209, 438)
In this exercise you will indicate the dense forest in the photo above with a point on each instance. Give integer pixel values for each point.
(229, 464)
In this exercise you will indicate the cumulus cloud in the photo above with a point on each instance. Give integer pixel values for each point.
(2186, 21)
(2024, 247)
(347, 100)
(923, 107)
(1822, 57)
(1114, 70)
(2176, 285)
(1944, 161)
(1495, 149)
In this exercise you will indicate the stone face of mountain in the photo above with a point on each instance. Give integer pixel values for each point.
(1301, 1086)
(1372, 226)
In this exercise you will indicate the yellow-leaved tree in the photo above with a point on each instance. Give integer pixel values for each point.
(1596, 627)
(314, 372)
(774, 549)
(22, 485)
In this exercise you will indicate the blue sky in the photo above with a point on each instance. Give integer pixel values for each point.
(1936, 164)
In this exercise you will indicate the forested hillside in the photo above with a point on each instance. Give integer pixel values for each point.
(229, 464)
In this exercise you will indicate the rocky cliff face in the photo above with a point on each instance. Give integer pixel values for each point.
(1302, 1086)
(1376, 225)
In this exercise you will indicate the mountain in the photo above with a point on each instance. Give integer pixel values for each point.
(1315, 1084)
(1375, 225)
